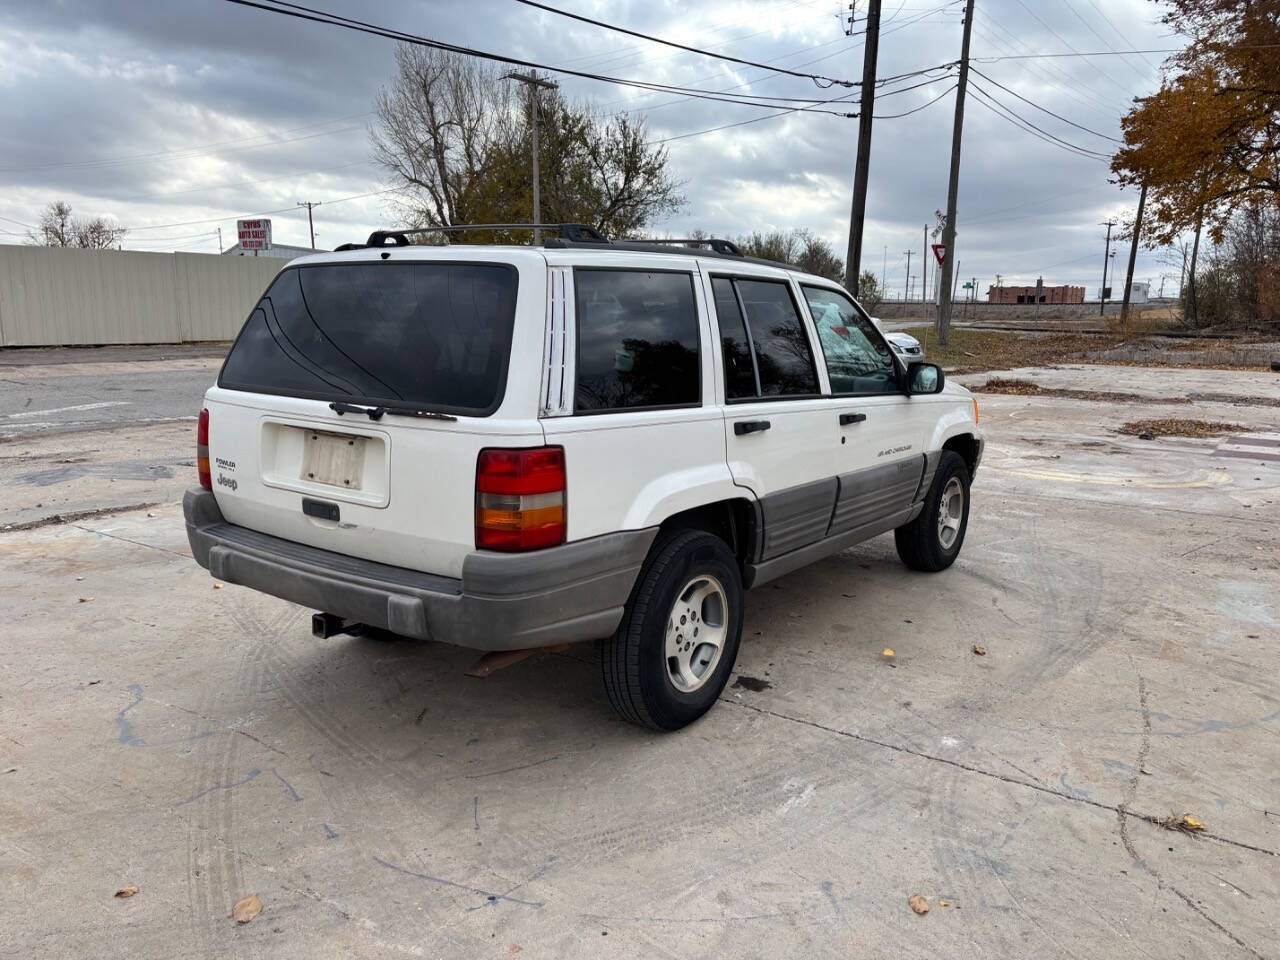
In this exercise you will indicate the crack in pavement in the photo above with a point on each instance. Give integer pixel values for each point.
(1061, 794)
(70, 518)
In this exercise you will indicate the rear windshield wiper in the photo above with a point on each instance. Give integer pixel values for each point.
(376, 413)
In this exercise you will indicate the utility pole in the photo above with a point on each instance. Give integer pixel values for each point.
(533, 82)
(924, 259)
(310, 204)
(1133, 256)
(906, 287)
(953, 181)
(884, 271)
(219, 240)
(1102, 293)
(862, 167)
(1191, 277)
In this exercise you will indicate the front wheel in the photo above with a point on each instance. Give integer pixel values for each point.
(678, 640)
(931, 542)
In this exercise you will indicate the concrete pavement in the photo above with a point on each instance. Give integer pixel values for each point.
(199, 743)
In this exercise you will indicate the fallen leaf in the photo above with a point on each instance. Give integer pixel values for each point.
(79, 578)
(888, 652)
(12, 770)
(125, 893)
(980, 651)
(86, 599)
(217, 586)
(94, 682)
(944, 903)
(918, 903)
(246, 909)
(1186, 823)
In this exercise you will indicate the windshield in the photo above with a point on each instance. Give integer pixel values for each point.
(435, 335)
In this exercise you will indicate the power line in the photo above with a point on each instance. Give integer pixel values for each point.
(619, 55)
(783, 113)
(300, 12)
(1071, 86)
(1046, 110)
(1105, 42)
(894, 116)
(1102, 73)
(1003, 111)
(263, 213)
(816, 78)
(1116, 30)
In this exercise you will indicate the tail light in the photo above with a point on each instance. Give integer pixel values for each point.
(520, 499)
(202, 451)
(975, 409)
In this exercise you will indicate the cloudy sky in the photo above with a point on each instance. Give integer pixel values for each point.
(176, 116)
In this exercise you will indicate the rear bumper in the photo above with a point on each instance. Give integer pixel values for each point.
(502, 601)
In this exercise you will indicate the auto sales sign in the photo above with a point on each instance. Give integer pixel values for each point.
(254, 234)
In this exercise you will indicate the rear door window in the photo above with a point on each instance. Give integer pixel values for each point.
(434, 335)
(637, 340)
(735, 347)
(775, 339)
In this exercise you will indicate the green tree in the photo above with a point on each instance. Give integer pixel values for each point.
(869, 292)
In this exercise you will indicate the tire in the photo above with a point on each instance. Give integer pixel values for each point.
(688, 572)
(931, 542)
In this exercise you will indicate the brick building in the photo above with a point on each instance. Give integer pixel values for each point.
(1062, 294)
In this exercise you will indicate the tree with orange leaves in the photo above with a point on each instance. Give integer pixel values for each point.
(1208, 142)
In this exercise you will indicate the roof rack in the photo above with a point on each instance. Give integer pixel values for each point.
(726, 247)
(574, 235)
(576, 232)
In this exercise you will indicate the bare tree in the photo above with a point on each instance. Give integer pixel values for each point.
(455, 138)
(799, 246)
(58, 228)
(438, 126)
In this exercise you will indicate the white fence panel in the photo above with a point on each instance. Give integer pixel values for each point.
(217, 293)
(63, 297)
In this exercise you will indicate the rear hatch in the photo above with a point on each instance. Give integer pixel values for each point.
(422, 337)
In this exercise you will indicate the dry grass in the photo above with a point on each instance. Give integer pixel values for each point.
(1173, 427)
(977, 351)
(1009, 385)
(973, 351)
(1025, 388)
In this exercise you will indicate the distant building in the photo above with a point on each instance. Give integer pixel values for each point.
(1062, 294)
(1139, 291)
(278, 250)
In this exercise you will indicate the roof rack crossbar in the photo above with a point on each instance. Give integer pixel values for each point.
(727, 247)
(577, 232)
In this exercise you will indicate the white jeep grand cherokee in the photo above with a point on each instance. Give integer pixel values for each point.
(514, 447)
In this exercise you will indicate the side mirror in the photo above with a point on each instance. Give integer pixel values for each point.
(925, 378)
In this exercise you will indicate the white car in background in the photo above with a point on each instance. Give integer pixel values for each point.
(903, 344)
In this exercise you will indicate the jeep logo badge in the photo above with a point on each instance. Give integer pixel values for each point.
(227, 482)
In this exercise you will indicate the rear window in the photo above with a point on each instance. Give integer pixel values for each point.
(637, 340)
(435, 335)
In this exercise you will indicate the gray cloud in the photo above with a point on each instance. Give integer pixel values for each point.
(163, 113)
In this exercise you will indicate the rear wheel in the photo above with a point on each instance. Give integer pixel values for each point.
(931, 542)
(678, 640)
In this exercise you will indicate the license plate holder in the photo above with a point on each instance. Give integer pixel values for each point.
(333, 459)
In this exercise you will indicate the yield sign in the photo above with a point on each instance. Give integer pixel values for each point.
(940, 252)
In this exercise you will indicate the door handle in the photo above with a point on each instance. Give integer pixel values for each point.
(750, 426)
(848, 418)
